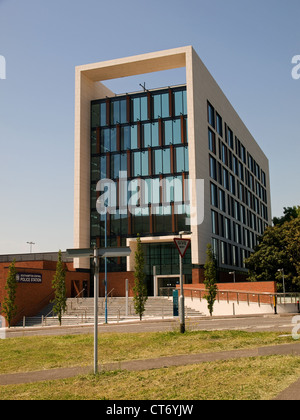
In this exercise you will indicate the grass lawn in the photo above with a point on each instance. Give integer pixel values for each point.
(48, 352)
(260, 378)
(247, 378)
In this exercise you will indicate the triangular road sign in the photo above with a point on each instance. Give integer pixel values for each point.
(182, 245)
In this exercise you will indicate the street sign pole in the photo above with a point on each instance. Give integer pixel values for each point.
(182, 246)
(96, 294)
(105, 263)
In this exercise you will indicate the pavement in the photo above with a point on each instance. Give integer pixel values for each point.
(291, 393)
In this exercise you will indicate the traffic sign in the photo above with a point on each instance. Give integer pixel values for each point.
(182, 245)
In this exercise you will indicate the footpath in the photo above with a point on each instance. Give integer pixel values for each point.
(291, 393)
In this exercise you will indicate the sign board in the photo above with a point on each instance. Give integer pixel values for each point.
(175, 303)
(29, 278)
(182, 245)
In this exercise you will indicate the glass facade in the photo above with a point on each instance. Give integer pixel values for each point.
(144, 138)
(239, 212)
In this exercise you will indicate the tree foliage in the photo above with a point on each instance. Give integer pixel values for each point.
(9, 306)
(279, 248)
(59, 286)
(210, 278)
(140, 291)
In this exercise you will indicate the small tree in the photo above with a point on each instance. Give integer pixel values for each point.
(140, 291)
(9, 306)
(59, 286)
(210, 279)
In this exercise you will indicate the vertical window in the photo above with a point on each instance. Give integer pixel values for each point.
(176, 131)
(144, 163)
(125, 138)
(168, 132)
(211, 141)
(158, 165)
(123, 111)
(103, 167)
(146, 135)
(166, 161)
(157, 106)
(165, 105)
(137, 164)
(114, 112)
(136, 109)
(178, 103)
(213, 168)
(103, 114)
(219, 125)
(144, 108)
(214, 195)
(179, 159)
(95, 115)
(214, 222)
(155, 136)
(211, 115)
(133, 135)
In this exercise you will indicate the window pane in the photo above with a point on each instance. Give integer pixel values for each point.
(166, 161)
(115, 112)
(168, 135)
(95, 115)
(155, 137)
(186, 157)
(103, 167)
(165, 105)
(145, 163)
(184, 102)
(123, 111)
(144, 108)
(125, 138)
(103, 114)
(146, 134)
(158, 162)
(178, 103)
(133, 134)
(179, 159)
(176, 131)
(156, 106)
(155, 191)
(113, 139)
(95, 168)
(115, 166)
(136, 109)
(93, 142)
(105, 140)
(136, 164)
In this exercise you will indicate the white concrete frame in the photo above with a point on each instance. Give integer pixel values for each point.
(200, 87)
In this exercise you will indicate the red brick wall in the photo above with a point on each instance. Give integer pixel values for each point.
(31, 298)
(116, 281)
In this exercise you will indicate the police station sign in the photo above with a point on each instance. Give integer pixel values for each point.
(29, 278)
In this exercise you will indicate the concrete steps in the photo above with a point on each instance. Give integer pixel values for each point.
(81, 311)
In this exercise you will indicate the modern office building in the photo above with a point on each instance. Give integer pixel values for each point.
(168, 160)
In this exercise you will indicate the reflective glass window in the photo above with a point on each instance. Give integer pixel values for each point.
(113, 139)
(123, 111)
(93, 142)
(180, 161)
(136, 109)
(168, 132)
(165, 105)
(95, 168)
(103, 114)
(144, 163)
(157, 106)
(115, 112)
(176, 131)
(102, 167)
(155, 136)
(166, 161)
(95, 115)
(178, 103)
(158, 163)
(146, 134)
(125, 137)
(105, 140)
(184, 102)
(144, 108)
(133, 135)
(186, 158)
(137, 164)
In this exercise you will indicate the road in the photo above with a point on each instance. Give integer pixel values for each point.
(260, 323)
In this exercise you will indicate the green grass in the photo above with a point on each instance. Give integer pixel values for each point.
(47, 352)
(260, 378)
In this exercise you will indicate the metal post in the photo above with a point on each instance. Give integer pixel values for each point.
(96, 294)
(105, 281)
(126, 288)
(181, 299)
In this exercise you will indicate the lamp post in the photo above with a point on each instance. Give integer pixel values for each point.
(281, 270)
(181, 298)
(30, 244)
(233, 273)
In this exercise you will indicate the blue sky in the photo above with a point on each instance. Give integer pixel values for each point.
(246, 45)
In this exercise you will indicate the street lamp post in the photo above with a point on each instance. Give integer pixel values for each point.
(181, 298)
(281, 270)
(30, 244)
(233, 273)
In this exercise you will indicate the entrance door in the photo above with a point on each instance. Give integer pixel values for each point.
(166, 284)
